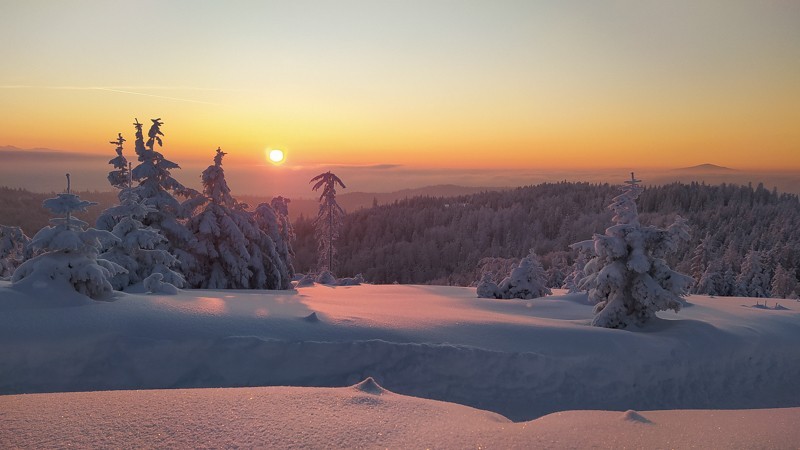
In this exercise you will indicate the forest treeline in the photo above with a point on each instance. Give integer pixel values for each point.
(445, 240)
(742, 236)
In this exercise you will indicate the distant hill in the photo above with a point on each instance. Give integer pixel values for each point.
(706, 168)
(353, 201)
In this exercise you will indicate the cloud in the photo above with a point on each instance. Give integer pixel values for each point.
(346, 166)
(130, 90)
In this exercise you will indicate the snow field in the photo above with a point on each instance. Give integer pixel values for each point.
(522, 359)
(360, 416)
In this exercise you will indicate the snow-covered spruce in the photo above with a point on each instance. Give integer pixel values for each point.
(487, 288)
(572, 280)
(628, 278)
(70, 251)
(753, 279)
(138, 247)
(527, 280)
(13, 249)
(784, 283)
(230, 249)
(273, 219)
(120, 176)
(157, 188)
(329, 218)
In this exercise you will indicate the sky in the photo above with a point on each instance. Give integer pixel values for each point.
(447, 87)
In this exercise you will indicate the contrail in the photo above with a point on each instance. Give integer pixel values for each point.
(124, 90)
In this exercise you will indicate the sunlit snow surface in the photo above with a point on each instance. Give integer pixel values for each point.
(348, 417)
(522, 359)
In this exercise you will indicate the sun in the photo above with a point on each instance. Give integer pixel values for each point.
(276, 156)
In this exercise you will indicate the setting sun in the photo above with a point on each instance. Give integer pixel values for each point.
(276, 156)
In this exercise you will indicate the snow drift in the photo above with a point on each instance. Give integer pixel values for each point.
(520, 358)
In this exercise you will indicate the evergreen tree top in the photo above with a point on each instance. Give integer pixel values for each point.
(118, 142)
(329, 181)
(154, 133)
(218, 157)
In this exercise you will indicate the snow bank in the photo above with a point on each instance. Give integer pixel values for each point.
(358, 417)
(522, 359)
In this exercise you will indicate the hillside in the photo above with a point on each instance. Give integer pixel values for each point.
(442, 241)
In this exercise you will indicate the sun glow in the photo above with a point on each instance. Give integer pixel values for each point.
(276, 156)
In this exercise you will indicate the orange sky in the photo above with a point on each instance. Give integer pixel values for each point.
(449, 84)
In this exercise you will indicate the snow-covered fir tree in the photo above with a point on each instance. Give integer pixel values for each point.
(703, 253)
(573, 279)
(70, 252)
(120, 176)
(527, 280)
(784, 283)
(139, 249)
(753, 279)
(13, 249)
(628, 278)
(157, 188)
(712, 281)
(230, 249)
(329, 218)
(273, 219)
(487, 288)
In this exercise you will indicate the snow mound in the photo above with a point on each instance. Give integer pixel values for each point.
(292, 417)
(633, 416)
(370, 386)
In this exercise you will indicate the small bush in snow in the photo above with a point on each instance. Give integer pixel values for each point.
(525, 281)
(305, 281)
(13, 243)
(326, 277)
(355, 281)
(487, 288)
(154, 285)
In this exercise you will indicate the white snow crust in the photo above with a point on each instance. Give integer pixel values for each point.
(523, 359)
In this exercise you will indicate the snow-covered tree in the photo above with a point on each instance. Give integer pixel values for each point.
(628, 278)
(230, 249)
(573, 279)
(784, 282)
(496, 268)
(712, 280)
(120, 176)
(487, 288)
(753, 279)
(157, 188)
(139, 249)
(273, 219)
(13, 243)
(70, 252)
(700, 261)
(329, 218)
(527, 280)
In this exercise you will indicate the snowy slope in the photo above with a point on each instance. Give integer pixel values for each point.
(522, 359)
(361, 416)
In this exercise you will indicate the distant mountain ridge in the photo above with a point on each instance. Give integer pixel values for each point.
(706, 168)
(353, 201)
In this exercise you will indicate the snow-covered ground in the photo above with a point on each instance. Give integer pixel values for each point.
(361, 416)
(523, 359)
